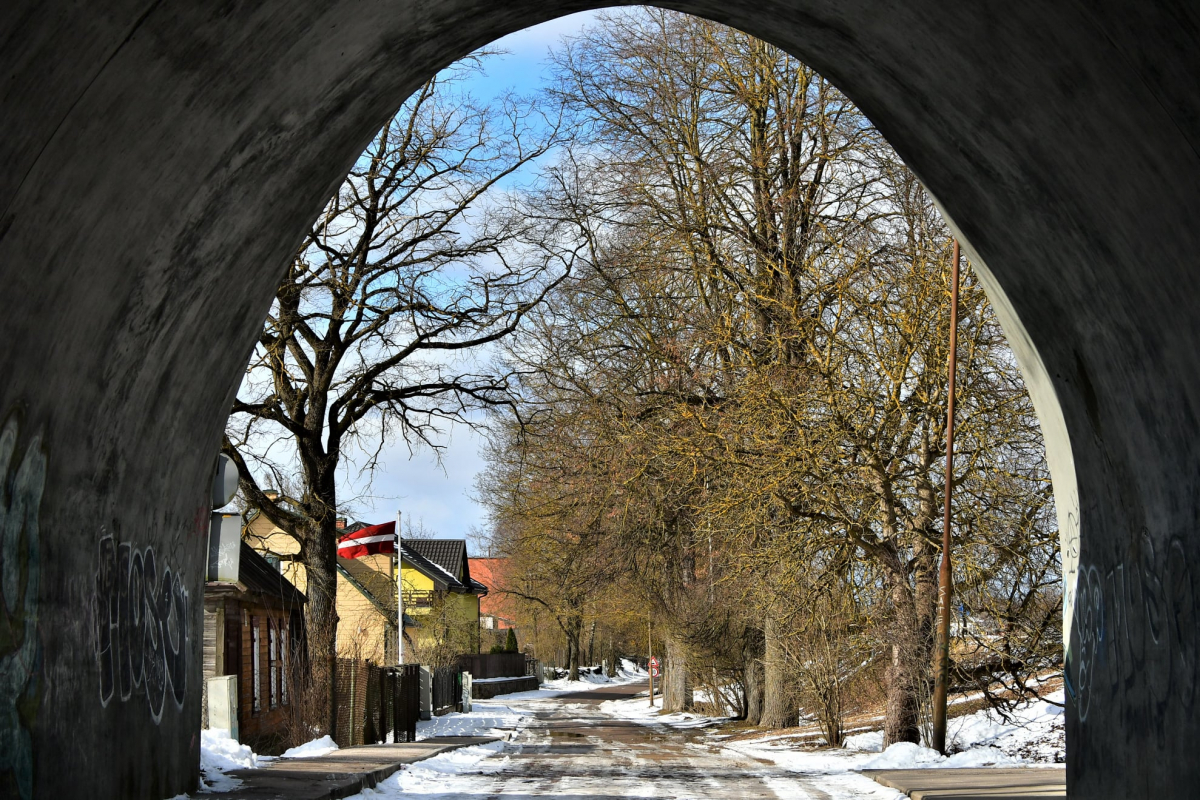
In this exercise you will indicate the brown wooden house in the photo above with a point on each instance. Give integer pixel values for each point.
(254, 629)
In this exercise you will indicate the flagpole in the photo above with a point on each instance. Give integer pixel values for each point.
(400, 596)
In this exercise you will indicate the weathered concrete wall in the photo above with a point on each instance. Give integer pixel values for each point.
(502, 686)
(158, 163)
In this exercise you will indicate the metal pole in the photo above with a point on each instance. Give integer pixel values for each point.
(650, 650)
(399, 595)
(941, 664)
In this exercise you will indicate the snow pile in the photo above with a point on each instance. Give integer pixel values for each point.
(627, 672)
(1034, 734)
(219, 753)
(629, 669)
(457, 772)
(869, 742)
(317, 747)
(906, 755)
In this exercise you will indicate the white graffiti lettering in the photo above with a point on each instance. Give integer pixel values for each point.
(141, 627)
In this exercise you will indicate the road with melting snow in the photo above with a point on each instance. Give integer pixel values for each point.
(567, 747)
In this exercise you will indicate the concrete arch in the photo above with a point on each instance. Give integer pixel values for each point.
(159, 161)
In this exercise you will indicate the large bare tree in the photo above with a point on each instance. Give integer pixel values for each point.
(415, 264)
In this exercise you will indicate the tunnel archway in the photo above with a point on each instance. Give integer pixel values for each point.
(159, 163)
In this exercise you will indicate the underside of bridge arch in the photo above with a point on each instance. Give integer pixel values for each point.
(159, 161)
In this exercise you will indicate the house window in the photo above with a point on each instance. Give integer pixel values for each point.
(273, 662)
(283, 664)
(255, 663)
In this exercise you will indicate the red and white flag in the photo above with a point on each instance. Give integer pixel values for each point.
(368, 541)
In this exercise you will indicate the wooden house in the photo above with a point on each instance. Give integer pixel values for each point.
(254, 630)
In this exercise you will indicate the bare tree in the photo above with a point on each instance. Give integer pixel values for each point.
(416, 264)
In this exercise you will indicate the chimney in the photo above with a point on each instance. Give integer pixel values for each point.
(341, 523)
(271, 495)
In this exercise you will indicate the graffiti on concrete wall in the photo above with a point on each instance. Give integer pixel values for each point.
(1136, 623)
(141, 627)
(22, 478)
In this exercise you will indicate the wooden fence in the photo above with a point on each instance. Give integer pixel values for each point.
(376, 704)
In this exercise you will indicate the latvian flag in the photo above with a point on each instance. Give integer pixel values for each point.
(368, 541)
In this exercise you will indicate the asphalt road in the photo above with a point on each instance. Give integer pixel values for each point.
(571, 750)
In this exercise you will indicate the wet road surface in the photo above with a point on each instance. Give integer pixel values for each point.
(567, 748)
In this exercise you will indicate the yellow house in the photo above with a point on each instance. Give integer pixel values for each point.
(441, 601)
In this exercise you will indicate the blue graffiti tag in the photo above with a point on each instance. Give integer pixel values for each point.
(20, 500)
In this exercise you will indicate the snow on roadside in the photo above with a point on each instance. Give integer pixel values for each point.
(1035, 734)
(486, 718)
(1032, 737)
(317, 747)
(494, 717)
(638, 709)
(456, 772)
(220, 753)
(627, 672)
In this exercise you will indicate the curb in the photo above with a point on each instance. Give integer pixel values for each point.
(321, 779)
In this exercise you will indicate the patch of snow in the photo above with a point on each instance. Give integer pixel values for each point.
(486, 718)
(629, 669)
(1033, 736)
(317, 747)
(220, 753)
(1034, 733)
(457, 772)
(869, 742)
(904, 755)
(638, 709)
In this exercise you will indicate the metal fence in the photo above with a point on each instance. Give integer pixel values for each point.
(376, 704)
(447, 690)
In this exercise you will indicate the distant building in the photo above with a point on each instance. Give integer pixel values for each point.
(441, 601)
(496, 609)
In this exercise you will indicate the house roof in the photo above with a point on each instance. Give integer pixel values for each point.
(442, 580)
(257, 575)
(449, 557)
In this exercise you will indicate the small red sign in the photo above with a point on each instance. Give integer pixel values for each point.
(654, 664)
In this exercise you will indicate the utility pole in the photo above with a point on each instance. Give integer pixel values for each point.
(941, 663)
(399, 596)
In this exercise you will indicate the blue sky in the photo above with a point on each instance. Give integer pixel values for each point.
(439, 496)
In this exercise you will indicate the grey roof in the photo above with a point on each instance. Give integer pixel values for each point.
(257, 575)
(449, 556)
(442, 580)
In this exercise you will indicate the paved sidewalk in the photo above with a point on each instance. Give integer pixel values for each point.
(340, 774)
(1007, 783)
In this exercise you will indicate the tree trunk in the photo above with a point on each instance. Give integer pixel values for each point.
(776, 712)
(321, 623)
(677, 684)
(752, 656)
(573, 629)
(909, 673)
(591, 661)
